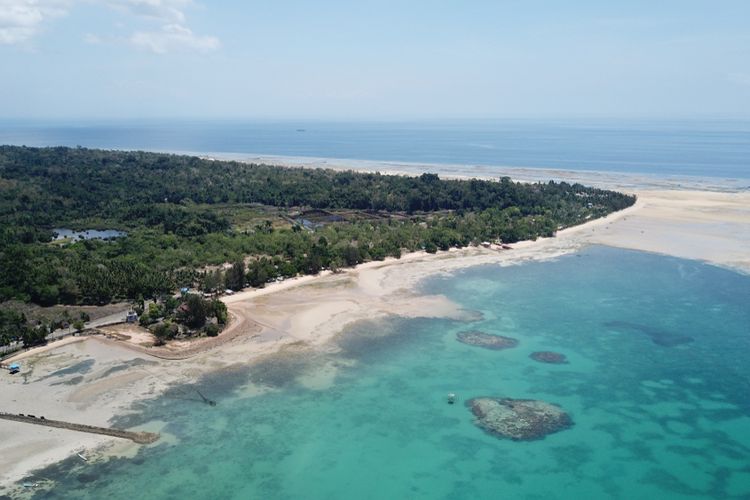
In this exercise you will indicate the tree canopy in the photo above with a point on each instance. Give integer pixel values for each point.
(183, 214)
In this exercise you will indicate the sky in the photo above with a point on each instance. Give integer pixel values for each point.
(373, 60)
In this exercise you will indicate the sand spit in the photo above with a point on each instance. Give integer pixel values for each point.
(709, 226)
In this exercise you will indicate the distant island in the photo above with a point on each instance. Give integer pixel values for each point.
(185, 222)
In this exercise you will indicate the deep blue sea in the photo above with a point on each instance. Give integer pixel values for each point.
(657, 384)
(718, 148)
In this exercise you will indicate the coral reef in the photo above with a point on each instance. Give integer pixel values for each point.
(658, 336)
(486, 340)
(518, 419)
(554, 358)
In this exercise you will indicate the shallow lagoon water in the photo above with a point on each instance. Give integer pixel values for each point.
(652, 420)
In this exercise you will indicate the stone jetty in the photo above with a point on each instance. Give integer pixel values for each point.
(136, 437)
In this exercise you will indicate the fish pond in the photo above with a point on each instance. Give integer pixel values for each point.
(87, 234)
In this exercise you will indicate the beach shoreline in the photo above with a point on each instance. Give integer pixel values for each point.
(308, 312)
(604, 179)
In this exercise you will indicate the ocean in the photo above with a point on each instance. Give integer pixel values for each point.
(708, 148)
(657, 385)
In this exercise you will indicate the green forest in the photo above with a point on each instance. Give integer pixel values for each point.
(207, 224)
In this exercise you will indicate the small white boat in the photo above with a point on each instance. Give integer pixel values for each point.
(451, 398)
(82, 457)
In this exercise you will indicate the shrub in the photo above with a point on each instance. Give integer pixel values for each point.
(212, 330)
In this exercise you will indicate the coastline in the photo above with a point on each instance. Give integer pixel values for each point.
(307, 312)
(622, 181)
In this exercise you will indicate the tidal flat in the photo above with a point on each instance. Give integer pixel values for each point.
(650, 420)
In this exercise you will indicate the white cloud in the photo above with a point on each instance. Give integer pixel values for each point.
(20, 20)
(173, 37)
(166, 11)
(92, 39)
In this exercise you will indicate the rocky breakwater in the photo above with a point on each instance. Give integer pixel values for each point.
(518, 419)
(135, 436)
(486, 340)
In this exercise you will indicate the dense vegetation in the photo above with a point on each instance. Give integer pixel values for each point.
(15, 327)
(189, 314)
(184, 214)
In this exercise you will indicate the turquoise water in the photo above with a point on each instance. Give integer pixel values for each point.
(660, 398)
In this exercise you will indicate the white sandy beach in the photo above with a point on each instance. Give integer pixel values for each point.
(712, 225)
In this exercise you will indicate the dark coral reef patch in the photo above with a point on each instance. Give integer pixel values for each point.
(486, 340)
(658, 336)
(518, 419)
(554, 358)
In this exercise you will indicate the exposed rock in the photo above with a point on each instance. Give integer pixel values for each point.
(486, 340)
(518, 419)
(554, 358)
